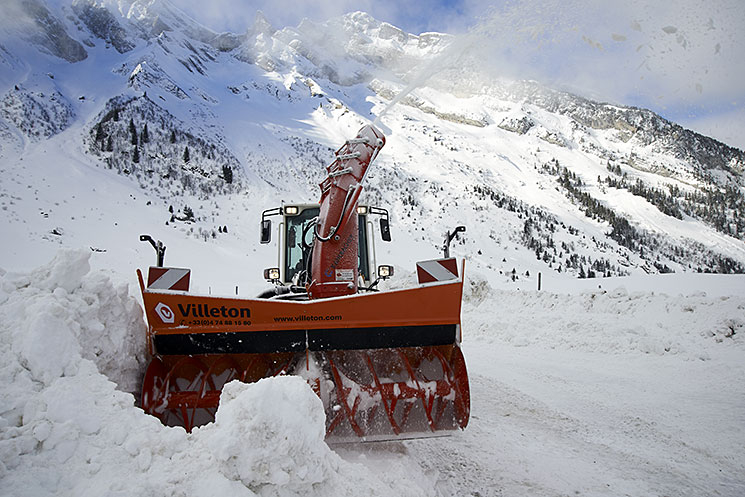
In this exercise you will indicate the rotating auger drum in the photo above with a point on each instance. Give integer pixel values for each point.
(370, 395)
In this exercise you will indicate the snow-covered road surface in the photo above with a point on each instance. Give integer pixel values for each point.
(577, 423)
(599, 393)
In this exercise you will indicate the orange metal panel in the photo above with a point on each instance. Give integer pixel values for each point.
(426, 305)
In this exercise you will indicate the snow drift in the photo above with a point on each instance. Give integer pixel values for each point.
(617, 321)
(71, 346)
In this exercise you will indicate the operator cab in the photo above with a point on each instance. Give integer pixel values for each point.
(295, 243)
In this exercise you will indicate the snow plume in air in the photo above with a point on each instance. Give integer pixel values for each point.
(415, 17)
(15, 15)
(682, 55)
(679, 59)
(452, 58)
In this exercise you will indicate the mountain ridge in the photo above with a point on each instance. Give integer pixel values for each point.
(578, 187)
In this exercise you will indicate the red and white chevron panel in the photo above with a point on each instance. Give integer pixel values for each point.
(437, 270)
(168, 278)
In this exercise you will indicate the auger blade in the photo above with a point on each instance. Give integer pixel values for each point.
(396, 393)
(381, 394)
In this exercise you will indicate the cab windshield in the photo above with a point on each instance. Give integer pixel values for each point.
(297, 255)
(299, 240)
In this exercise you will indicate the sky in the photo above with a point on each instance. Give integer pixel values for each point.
(684, 59)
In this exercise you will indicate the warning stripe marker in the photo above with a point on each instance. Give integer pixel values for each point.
(168, 278)
(437, 270)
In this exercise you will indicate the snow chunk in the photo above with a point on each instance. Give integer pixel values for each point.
(270, 434)
(66, 271)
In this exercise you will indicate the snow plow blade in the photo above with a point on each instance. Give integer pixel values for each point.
(386, 365)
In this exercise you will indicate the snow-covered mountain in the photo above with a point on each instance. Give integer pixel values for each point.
(206, 129)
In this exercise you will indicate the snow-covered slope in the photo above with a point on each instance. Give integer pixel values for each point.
(545, 181)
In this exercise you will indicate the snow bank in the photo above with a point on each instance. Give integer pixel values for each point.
(67, 429)
(57, 317)
(606, 322)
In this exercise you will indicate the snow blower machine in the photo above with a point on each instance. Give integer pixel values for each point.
(386, 364)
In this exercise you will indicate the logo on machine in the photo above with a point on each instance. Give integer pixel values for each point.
(164, 313)
(329, 273)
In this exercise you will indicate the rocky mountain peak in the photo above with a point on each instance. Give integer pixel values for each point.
(262, 25)
(34, 22)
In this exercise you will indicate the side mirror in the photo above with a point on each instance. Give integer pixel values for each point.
(266, 230)
(449, 238)
(160, 249)
(385, 230)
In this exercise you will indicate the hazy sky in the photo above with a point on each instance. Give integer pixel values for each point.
(684, 59)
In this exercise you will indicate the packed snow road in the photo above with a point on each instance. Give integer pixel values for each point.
(557, 423)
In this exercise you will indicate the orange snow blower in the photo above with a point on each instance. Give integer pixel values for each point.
(386, 364)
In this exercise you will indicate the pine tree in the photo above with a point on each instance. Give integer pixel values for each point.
(186, 155)
(173, 136)
(136, 155)
(145, 135)
(133, 132)
(109, 144)
(227, 174)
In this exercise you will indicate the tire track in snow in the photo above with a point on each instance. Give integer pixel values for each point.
(517, 445)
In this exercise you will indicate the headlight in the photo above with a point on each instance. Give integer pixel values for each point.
(385, 272)
(271, 274)
(291, 210)
(362, 209)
